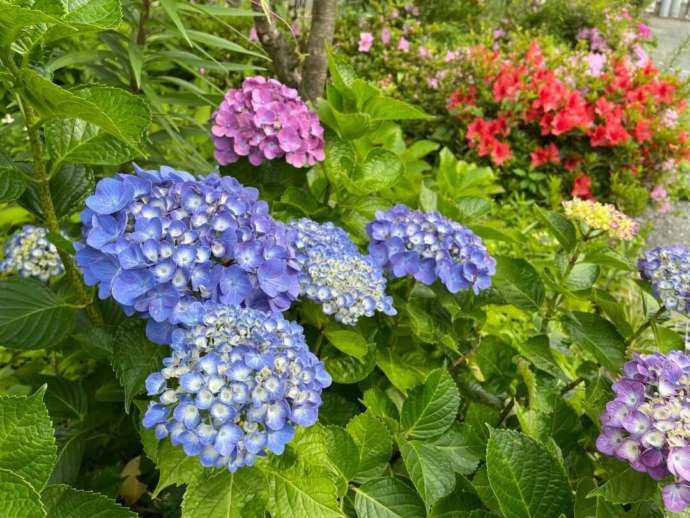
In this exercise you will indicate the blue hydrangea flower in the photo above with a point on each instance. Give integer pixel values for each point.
(427, 246)
(336, 275)
(235, 386)
(668, 270)
(647, 424)
(162, 242)
(29, 254)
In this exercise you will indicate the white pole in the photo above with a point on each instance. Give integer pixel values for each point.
(675, 8)
(665, 8)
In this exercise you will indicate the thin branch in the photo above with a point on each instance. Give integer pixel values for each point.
(323, 17)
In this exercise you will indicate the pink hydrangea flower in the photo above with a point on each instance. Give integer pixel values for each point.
(403, 44)
(645, 31)
(366, 40)
(265, 120)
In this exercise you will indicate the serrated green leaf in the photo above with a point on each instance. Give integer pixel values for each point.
(626, 486)
(388, 497)
(597, 336)
(295, 493)
(176, 467)
(85, 16)
(68, 462)
(65, 399)
(12, 185)
(62, 501)
(27, 444)
(461, 503)
(78, 141)
(593, 507)
(430, 409)
(560, 227)
(459, 449)
(538, 351)
(349, 342)
(220, 494)
(582, 277)
(134, 358)
(18, 499)
(14, 18)
(519, 283)
(527, 481)
(373, 442)
(388, 109)
(68, 189)
(605, 256)
(405, 364)
(344, 368)
(32, 316)
(380, 170)
(343, 454)
(429, 469)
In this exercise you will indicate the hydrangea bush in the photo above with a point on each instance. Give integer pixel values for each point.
(363, 332)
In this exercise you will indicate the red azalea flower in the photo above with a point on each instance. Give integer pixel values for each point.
(545, 155)
(500, 153)
(642, 131)
(571, 164)
(582, 188)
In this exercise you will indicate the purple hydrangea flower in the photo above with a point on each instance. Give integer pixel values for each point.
(668, 270)
(335, 274)
(29, 254)
(427, 246)
(235, 387)
(265, 120)
(176, 241)
(646, 424)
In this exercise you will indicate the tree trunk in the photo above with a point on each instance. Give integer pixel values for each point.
(282, 53)
(323, 17)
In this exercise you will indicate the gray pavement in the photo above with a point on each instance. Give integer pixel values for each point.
(673, 43)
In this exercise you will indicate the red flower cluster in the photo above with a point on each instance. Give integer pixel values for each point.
(521, 107)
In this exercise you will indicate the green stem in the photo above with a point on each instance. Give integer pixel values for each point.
(570, 386)
(48, 208)
(646, 325)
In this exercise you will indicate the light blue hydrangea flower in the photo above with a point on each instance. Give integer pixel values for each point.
(235, 386)
(347, 284)
(29, 254)
(668, 270)
(427, 246)
(161, 243)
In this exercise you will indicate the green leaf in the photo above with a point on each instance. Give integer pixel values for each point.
(460, 503)
(459, 449)
(373, 442)
(170, 8)
(380, 170)
(527, 481)
(429, 469)
(582, 277)
(112, 109)
(134, 358)
(87, 15)
(220, 494)
(431, 408)
(561, 228)
(14, 18)
(62, 501)
(348, 369)
(80, 142)
(295, 493)
(350, 125)
(18, 499)
(604, 256)
(32, 316)
(388, 109)
(586, 507)
(597, 336)
(12, 185)
(349, 342)
(388, 497)
(519, 283)
(27, 444)
(222, 43)
(538, 351)
(176, 467)
(405, 364)
(494, 357)
(68, 189)
(626, 486)
(342, 73)
(343, 454)
(69, 457)
(65, 399)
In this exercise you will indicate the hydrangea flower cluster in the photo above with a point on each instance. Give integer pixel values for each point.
(668, 270)
(29, 253)
(602, 216)
(648, 422)
(427, 246)
(265, 120)
(235, 386)
(335, 274)
(160, 242)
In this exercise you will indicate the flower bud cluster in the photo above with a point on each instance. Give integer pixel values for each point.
(648, 423)
(29, 254)
(266, 120)
(668, 270)
(428, 246)
(235, 386)
(602, 216)
(347, 284)
(161, 242)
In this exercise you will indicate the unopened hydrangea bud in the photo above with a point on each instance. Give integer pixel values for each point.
(266, 120)
(668, 271)
(336, 275)
(242, 392)
(427, 246)
(29, 254)
(162, 242)
(647, 424)
(600, 216)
